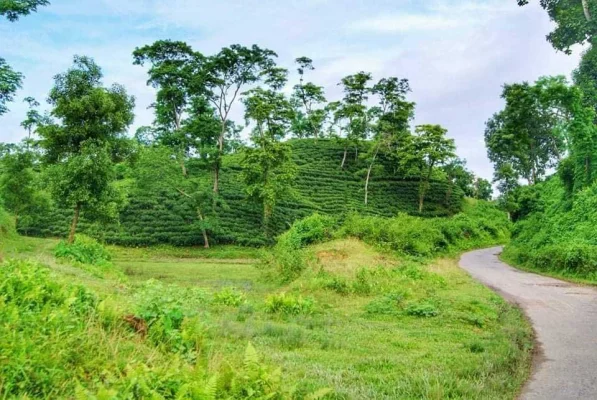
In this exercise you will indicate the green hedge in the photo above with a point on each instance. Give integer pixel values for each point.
(321, 186)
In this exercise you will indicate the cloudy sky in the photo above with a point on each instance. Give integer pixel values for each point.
(456, 53)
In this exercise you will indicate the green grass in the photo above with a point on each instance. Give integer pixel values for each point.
(378, 326)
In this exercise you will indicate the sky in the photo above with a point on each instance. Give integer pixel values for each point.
(457, 54)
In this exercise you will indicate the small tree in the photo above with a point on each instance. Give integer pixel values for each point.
(268, 169)
(81, 146)
(428, 148)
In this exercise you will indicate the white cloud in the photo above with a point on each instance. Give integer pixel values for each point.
(405, 23)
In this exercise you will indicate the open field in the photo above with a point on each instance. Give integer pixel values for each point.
(362, 323)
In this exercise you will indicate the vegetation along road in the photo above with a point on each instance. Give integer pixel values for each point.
(563, 316)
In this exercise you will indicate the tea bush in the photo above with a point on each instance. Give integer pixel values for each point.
(321, 186)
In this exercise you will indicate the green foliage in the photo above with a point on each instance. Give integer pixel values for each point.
(83, 250)
(528, 135)
(7, 225)
(289, 304)
(288, 259)
(575, 22)
(480, 224)
(10, 82)
(229, 296)
(556, 233)
(13, 9)
(152, 217)
(171, 317)
(425, 310)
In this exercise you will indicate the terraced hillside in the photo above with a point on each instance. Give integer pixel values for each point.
(321, 186)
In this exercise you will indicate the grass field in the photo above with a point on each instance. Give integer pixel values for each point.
(368, 325)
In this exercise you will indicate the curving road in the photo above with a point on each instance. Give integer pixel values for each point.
(564, 317)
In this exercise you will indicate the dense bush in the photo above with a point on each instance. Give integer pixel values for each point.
(480, 224)
(558, 232)
(321, 186)
(7, 225)
(83, 250)
(288, 258)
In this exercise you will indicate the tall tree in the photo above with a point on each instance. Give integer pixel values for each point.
(426, 149)
(351, 114)
(80, 147)
(530, 134)
(175, 72)
(268, 169)
(574, 21)
(225, 75)
(308, 100)
(394, 115)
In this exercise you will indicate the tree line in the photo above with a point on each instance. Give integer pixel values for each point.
(80, 145)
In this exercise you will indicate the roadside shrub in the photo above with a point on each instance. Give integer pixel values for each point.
(480, 224)
(83, 250)
(289, 304)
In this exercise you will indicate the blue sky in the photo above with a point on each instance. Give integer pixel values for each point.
(456, 53)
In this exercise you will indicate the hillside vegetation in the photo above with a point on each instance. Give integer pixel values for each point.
(360, 321)
(556, 234)
(151, 217)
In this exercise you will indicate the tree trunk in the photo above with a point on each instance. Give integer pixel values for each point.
(585, 8)
(421, 200)
(219, 158)
(267, 213)
(73, 226)
(369, 175)
(203, 230)
(344, 158)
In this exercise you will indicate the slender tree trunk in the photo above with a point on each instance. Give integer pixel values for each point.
(344, 158)
(73, 226)
(424, 186)
(219, 158)
(585, 8)
(369, 176)
(203, 230)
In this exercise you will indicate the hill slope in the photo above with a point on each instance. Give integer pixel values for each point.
(321, 186)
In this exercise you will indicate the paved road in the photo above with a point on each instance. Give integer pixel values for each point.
(564, 316)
